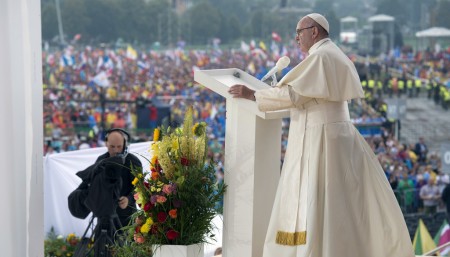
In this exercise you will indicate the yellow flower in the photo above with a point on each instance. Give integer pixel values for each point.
(145, 228)
(135, 181)
(175, 144)
(139, 199)
(70, 236)
(156, 133)
(153, 160)
(194, 128)
(155, 149)
(155, 189)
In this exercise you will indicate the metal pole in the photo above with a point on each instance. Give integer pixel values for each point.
(60, 26)
(169, 28)
(103, 107)
(396, 130)
(159, 28)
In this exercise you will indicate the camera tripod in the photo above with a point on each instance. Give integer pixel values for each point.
(103, 235)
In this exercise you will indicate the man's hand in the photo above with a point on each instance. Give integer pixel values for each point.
(241, 91)
(123, 202)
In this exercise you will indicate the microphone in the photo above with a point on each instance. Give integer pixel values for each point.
(282, 63)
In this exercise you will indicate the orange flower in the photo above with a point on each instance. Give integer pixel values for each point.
(173, 213)
(161, 199)
(139, 238)
(155, 175)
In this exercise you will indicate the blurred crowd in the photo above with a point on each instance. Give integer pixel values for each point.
(82, 83)
(414, 173)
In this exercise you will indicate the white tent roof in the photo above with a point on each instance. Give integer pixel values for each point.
(349, 19)
(434, 32)
(381, 17)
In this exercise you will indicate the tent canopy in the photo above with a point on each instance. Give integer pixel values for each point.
(434, 32)
(349, 19)
(381, 18)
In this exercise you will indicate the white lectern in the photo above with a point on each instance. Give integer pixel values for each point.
(252, 163)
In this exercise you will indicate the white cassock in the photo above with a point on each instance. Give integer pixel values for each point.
(333, 198)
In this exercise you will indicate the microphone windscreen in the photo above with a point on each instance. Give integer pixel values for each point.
(283, 62)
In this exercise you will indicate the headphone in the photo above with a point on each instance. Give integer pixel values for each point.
(126, 137)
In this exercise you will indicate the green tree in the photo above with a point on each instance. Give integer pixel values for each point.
(48, 21)
(335, 25)
(393, 8)
(157, 18)
(258, 24)
(239, 8)
(235, 27)
(103, 15)
(205, 22)
(323, 6)
(74, 18)
(442, 14)
(133, 21)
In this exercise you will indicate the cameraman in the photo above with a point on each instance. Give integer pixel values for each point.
(106, 189)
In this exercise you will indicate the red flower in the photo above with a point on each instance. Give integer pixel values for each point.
(154, 229)
(184, 161)
(147, 185)
(137, 229)
(172, 234)
(162, 216)
(148, 206)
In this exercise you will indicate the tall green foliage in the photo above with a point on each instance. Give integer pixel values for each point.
(442, 14)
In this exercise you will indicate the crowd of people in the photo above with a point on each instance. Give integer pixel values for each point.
(81, 83)
(414, 173)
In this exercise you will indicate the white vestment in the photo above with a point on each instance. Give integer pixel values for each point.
(333, 198)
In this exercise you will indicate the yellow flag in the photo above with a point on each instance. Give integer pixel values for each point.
(423, 242)
(131, 53)
(262, 46)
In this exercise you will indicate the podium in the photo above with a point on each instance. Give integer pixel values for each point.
(252, 163)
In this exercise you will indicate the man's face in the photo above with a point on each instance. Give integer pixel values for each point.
(115, 143)
(304, 34)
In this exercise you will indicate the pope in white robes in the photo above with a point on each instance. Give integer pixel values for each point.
(333, 198)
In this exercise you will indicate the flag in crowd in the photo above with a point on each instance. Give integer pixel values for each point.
(442, 237)
(262, 45)
(276, 37)
(101, 79)
(131, 53)
(245, 47)
(423, 242)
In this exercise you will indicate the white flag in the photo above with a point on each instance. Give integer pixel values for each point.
(101, 79)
